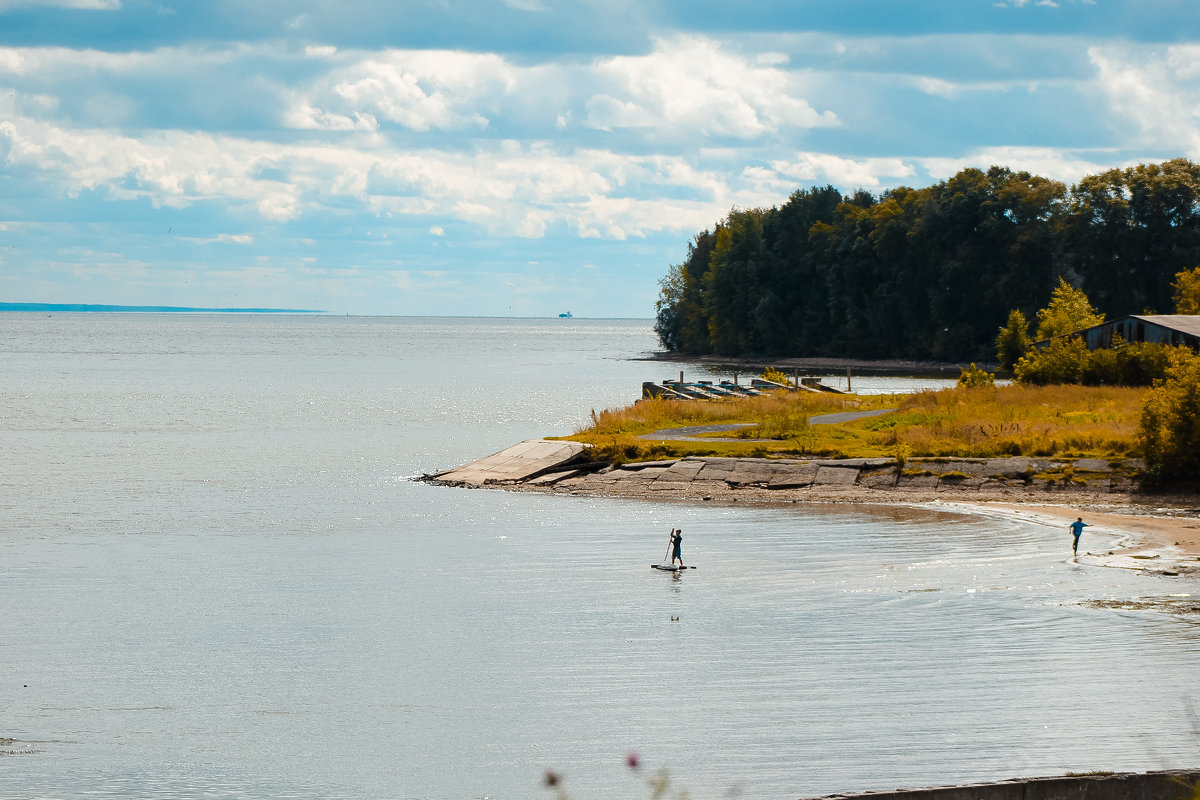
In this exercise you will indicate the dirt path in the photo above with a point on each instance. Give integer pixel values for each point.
(696, 432)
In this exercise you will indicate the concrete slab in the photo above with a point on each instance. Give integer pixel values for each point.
(516, 463)
(792, 476)
(917, 481)
(952, 483)
(1006, 467)
(684, 471)
(835, 476)
(551, 478)
(878, 479)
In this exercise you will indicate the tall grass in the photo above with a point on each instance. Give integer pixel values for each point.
(1062, 420)
(1068, 421)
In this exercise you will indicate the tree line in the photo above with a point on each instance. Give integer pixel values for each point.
(932, 273)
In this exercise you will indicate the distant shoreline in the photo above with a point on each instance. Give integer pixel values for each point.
(820, 364)
(98, 308)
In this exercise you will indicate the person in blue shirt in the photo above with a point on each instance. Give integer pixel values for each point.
(1076, 529)
(677, 547)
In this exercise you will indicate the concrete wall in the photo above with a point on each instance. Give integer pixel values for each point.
(1174, 785)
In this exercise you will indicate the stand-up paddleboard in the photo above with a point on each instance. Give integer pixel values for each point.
(669, 567)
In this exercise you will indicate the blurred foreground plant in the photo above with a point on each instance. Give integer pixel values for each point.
(659, 782)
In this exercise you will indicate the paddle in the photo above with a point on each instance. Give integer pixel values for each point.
(670, 541)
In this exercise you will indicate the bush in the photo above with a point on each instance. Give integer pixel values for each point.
(1169, 430)
(776, 376)
(1061, 361)
(973, 377)
(1069, 361)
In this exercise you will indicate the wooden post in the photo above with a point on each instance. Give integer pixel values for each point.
(735, 378)
(847, 380)
(681, 377)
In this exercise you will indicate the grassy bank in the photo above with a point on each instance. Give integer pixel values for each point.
(1050, 421)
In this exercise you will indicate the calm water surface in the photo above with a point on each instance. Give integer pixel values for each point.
(219, 581)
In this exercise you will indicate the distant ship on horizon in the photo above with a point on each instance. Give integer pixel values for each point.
(565, 315)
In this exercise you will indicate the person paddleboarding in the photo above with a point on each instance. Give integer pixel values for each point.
(677, 547)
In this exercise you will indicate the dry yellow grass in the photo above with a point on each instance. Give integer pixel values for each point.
(1070, 421)
(1066, 420)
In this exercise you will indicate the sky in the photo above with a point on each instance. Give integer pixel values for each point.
(524, 157)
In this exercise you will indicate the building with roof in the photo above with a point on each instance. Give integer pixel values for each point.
(1168, 329)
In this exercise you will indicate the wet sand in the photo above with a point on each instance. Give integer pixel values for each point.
(1162, 534)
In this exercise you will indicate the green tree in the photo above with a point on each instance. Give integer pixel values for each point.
(1061, 361)
(1013, 341)
(1169, 429)
(732, 290)
(1069, 311)
(680, 319)
(1129, 230)
(1187, 291)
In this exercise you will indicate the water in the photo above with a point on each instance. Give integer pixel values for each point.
(219, 582)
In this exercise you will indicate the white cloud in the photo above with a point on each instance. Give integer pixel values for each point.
(685, 86)
(506, 187)
(1154, 89)
(1062, 165)
(692, 84)
(224, 238)
(83, 5)
(846, 173)
(303, 116)
(418, 89)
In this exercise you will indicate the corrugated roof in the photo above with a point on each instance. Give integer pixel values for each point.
(1184, 323)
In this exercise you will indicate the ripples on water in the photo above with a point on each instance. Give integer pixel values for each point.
(219, 583)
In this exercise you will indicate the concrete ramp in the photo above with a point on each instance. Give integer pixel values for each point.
(517, 463)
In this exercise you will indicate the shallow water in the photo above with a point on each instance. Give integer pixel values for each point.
(220, 582)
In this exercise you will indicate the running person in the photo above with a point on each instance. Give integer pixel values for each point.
(1076, 529)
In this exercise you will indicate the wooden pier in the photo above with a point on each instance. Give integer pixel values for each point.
(672, 389)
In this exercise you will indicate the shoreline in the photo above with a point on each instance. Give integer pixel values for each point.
(821, 364)
(1157, 533)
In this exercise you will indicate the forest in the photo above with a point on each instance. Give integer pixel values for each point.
(932, 273)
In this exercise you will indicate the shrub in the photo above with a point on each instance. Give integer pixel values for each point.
(1143, 363)
(1061, 361)
(1169, 430)
(1068, 360)
(973, 377)
(775, 376)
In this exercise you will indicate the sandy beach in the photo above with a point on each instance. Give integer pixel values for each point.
(1163, 534)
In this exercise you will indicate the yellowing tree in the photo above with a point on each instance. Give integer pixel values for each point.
(1069, 311)
(1169, 431)
(1187, 291)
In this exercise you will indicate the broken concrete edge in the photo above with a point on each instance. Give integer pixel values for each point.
(1120, 475)
(1183, 784)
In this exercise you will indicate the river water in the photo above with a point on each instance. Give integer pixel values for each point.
(220, 581)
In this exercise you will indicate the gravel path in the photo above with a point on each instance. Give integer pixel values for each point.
(695, 432)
